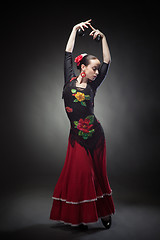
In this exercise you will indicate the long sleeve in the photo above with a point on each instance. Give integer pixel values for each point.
(101, 76)
(68, 67)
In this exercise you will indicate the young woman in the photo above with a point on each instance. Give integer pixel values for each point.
(82, 193)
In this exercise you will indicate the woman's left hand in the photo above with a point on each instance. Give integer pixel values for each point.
(95, 32)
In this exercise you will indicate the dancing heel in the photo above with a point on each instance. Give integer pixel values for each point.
(82, 227)
(107, 223)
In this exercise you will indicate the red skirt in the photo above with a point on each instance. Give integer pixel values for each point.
(82, 193)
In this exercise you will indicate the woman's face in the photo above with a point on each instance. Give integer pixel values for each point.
(92, 70)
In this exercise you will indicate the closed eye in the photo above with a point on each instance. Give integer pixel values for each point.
(95, 68)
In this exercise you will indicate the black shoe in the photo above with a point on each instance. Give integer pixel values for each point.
(107, 223)
(81, 227)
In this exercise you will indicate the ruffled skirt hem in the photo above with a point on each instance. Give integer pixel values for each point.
(85, 223)
(84, 212)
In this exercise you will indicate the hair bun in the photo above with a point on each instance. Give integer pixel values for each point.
(84, 54)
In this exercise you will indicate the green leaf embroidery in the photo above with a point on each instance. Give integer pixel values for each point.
(85, 136)
(80, 133)
(91, 118)
(76, 100)
(73, 90)
(91, 131)
(87, 97)
(76, 123)
(83, 104)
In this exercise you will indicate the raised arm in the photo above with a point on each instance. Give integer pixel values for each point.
(68, 65)
(106, 52)
(105, 48)
(71, 40)
(106, 58)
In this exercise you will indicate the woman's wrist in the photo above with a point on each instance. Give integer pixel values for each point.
(75, 28)
(103, 36)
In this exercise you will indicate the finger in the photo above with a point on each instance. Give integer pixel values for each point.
(92, 27)
(87, 23)
(95, 35)
(88, 20)
(84, 25)
(82, 28)
(91, 33)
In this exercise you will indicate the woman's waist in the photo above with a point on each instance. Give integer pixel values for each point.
(75, 115)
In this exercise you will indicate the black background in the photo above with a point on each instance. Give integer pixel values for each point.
(34, 125)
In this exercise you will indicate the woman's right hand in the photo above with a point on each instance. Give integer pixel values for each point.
(71, 40)
(82, 25)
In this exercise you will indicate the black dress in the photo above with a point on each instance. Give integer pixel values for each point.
(82, 193)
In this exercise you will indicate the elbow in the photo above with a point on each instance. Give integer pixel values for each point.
(68, 50)
(107, 60)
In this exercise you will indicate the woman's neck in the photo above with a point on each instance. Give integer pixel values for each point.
(81, 79)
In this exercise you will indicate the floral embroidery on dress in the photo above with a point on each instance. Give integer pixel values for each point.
(73, 79)
(80, 97)
(68, 109)
(84, 126)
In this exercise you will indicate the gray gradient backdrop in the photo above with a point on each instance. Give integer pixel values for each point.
(34, 124)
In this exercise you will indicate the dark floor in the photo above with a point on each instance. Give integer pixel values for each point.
(25, 215)
(129, 223)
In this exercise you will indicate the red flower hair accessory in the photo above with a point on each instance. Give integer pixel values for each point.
(79, 58)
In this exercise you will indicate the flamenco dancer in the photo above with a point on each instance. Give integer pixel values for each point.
(82, 193)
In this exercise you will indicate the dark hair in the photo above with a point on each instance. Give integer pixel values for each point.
(86, 60)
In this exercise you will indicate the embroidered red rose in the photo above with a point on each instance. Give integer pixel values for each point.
(68, 109)
(78, 59)
(84, 125)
